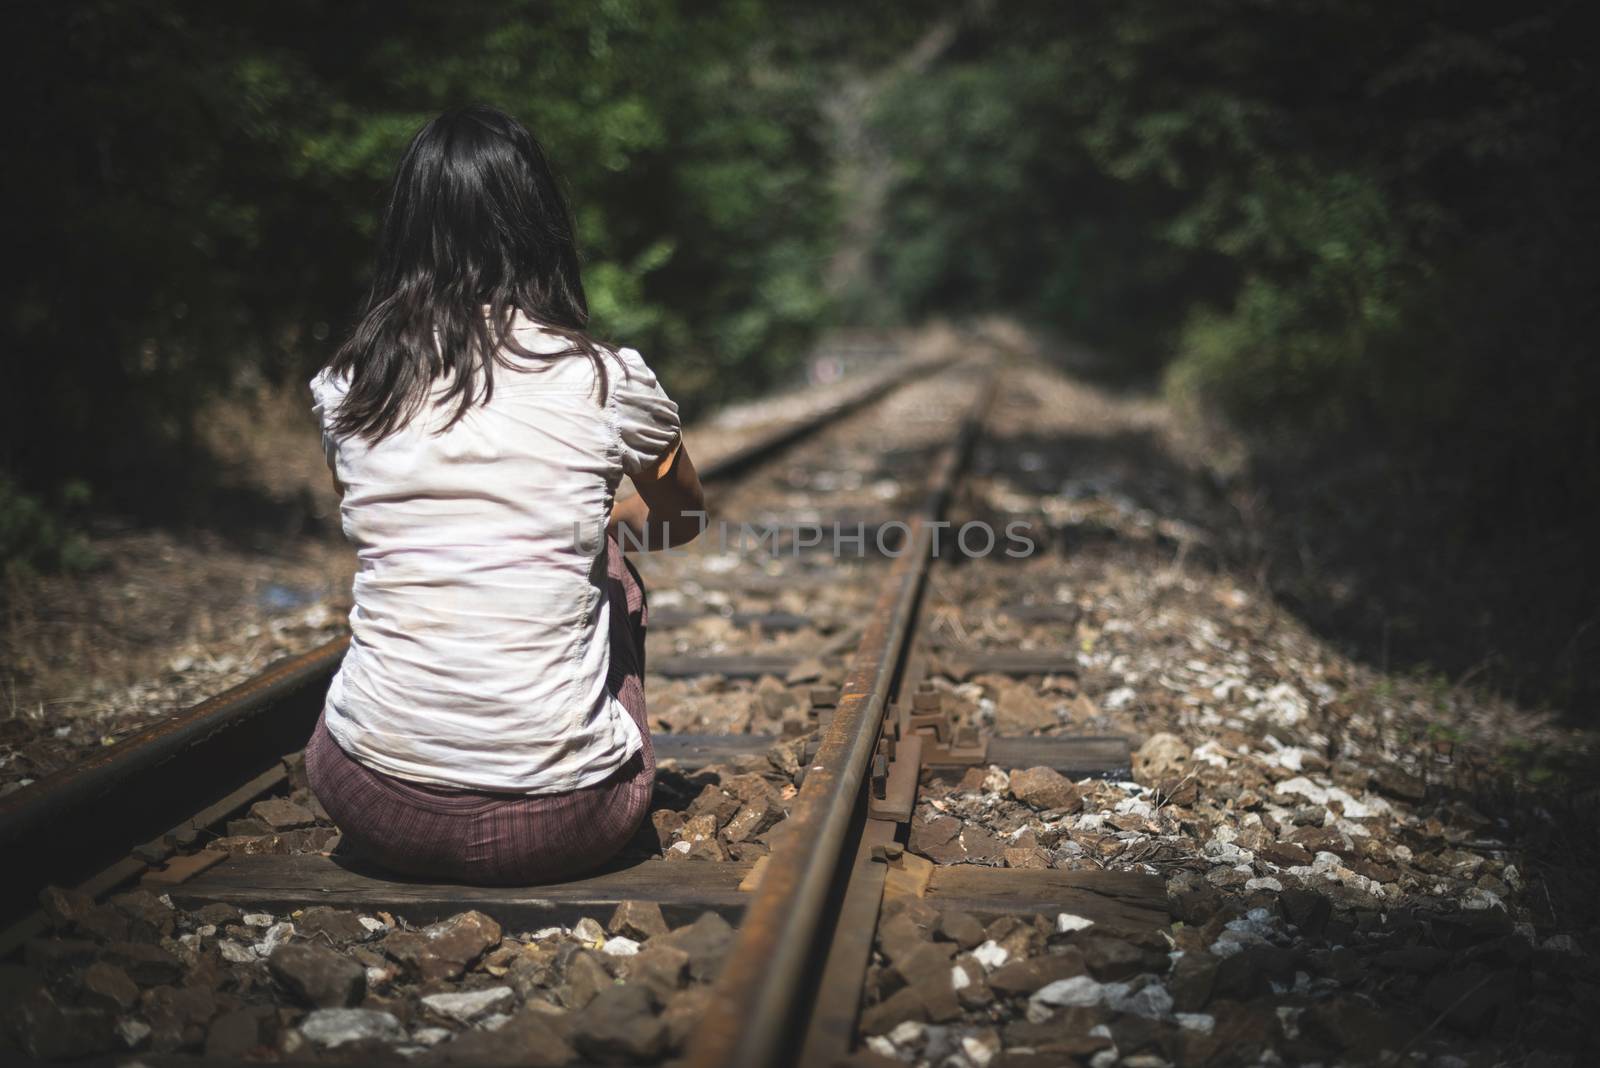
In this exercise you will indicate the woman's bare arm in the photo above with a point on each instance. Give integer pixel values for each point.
(669, 509)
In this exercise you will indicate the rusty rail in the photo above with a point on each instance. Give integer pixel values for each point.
(74, 823)
(762, 992)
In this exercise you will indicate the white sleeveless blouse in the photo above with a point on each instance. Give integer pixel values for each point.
(480, 635)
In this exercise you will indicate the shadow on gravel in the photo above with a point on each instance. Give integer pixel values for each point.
(1303, 973)
(1385, 556)
(1445, 977)
(1439, 560)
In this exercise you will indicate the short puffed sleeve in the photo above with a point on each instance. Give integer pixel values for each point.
(327, 391)
(647, 419)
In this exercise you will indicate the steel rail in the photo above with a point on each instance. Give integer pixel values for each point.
(73, 823)
(761, 991)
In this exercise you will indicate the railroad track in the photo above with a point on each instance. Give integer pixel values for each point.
(807, 893)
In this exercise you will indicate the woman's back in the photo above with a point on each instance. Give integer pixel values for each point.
(479, 649)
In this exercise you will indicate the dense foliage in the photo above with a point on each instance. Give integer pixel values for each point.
(195, 188)
(1366, 231)
(1324, 208)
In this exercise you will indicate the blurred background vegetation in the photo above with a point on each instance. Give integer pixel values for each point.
(1362, 233)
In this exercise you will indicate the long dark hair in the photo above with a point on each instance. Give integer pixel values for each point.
(475, 219)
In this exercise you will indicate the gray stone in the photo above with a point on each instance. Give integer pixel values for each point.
(339, 926)
(149, 920)
(754, 817)
(683, 1014)
(331, 1028)
(706, 941)
(962, 928)
(1112, 958)
(106, 924)
(108, 987)
(1044, 789)
(468, 1005)
(585, 978)
(928, 958)
(50, 1031)
(53, 957)
(177, 1016)
(445, 949)
(1160, 757)
(530, 1039)
(145, 964)
(639, 920)
(904, 1004)
(1064, 1038)
(972, 987)
(901, 935)
(239, 1033)
(662, 968)
(938, 838)
(64, 907)
(281, 814)
(1026, 976)
(318, 976)
(620, 1025)
(218, 914)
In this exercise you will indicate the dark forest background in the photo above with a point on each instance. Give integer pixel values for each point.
(1362, 233)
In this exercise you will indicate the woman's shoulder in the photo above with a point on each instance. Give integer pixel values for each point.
(328, 382)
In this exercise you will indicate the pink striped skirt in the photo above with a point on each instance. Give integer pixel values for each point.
(494, 838)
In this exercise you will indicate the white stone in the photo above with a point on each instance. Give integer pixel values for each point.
(494, 1021)
(373, 924)
(1119, 698)
(467, 1005)
(1134, 806)
(430, 1036)
(331, 1028)
(991, 955)
(131, 1031)
(257, 919)
(1203, 1022)
(1282, 704)
(589, 932)
(980, 1049)
(1479, 899)
(234, 953)
(1064, 993)
(274, 937)
(1220, 852)
(881, 1046)
(619, 946)
(959, 980)
(908, 1032)
(679, 847)
(1363, 809)
(1150, 1001)
(1066, 923)
(547, 932)
(1264, 883)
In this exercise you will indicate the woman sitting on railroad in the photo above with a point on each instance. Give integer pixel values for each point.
(488, 723)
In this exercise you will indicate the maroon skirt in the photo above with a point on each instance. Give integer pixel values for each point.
(498, 838)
